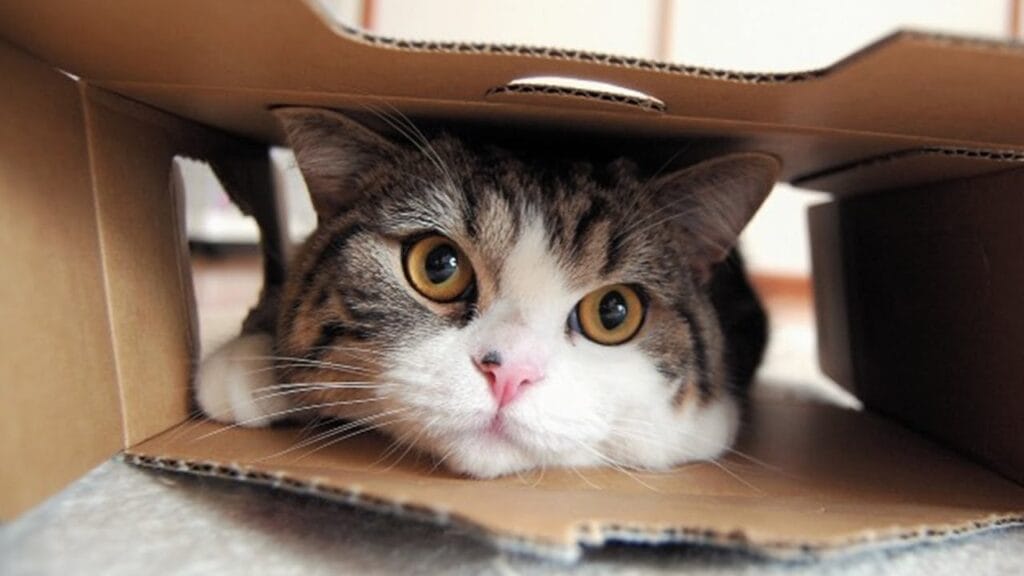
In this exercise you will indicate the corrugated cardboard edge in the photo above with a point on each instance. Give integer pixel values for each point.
(359, 35)
(593, 535)
(643, 104)
(453, 47)
(1010, 157)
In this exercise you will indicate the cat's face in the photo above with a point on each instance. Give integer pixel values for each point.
(504, 315)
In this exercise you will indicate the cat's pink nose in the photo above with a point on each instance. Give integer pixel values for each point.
(508, 378)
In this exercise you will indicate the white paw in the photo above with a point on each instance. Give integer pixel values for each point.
(236, 383)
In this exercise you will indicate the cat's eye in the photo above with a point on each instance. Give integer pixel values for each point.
(437, 269)
(611, 315)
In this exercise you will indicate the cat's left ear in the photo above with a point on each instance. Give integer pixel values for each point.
(713, 201)
(332, 151)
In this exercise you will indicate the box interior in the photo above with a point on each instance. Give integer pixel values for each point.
(188, 78)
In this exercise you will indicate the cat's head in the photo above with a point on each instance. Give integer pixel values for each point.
(505, 313)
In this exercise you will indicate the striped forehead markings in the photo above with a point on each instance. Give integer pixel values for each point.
(530, 269)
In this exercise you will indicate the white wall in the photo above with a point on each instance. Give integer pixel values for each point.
(784, 35)
(626, 28)
(787, 35)
(775, 35)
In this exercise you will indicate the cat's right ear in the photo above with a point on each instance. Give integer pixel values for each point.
(332, 151)
(710, 203)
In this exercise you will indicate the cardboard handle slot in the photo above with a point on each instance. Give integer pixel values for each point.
(559, 90)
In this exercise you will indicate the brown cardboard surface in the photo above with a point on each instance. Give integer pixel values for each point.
(202, 60)
(140, 222)
(97, 329)
(807, 478)
(918, 167)
(57, 356)
(98, 164)
(920, 308)
(145, 256)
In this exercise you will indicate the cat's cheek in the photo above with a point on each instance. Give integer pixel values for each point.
(708, 430)
(565, 408)
(437, 379)
(693, 433)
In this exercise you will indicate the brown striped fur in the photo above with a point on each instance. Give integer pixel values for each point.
(346, 302)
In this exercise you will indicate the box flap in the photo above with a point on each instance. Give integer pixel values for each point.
(805, 479)
(61, 409)
(224, 63)
(908, 168)
(145, 253)
(96, 336)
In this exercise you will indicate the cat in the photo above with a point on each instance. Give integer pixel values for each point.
(503, 312)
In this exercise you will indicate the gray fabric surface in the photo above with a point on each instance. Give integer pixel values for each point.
(122, 520)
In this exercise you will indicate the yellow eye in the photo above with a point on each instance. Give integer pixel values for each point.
(436, 268)
(610, 316)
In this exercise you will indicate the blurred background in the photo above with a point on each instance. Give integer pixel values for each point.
(762, 35)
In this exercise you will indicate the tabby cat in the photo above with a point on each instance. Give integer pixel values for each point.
(502, 311)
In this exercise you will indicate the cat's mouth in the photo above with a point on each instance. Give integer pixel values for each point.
(504, 430)
(499, 429)
(497, 426)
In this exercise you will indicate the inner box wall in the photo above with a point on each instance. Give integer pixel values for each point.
(921, 311)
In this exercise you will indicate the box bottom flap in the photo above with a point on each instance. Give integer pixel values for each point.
(805, 480)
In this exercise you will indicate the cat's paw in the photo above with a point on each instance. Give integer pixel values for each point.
(236, 383)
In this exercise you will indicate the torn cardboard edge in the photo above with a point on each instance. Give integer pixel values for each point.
(590, 535)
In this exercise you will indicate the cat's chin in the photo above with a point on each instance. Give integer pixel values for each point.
(485, 456)
(701, 433)
(487, 466)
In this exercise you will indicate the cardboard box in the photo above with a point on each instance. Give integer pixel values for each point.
(919, 307)
(97, 336)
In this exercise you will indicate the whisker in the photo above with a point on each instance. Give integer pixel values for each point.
(295, 389)
(721, 466)
(353, 434)
(540, 477)
(392, 448)
(736, 476)
(278, 414)
(660, 441)
(298, 362)
(585, 479)
(412, 444)
(341, 385)
(615, 465)
(520, 477)
(420, 143)
(437, 464)
(346, 426)
(446, 171)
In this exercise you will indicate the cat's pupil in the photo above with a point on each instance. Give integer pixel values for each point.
(613, 310)
(441, 264)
